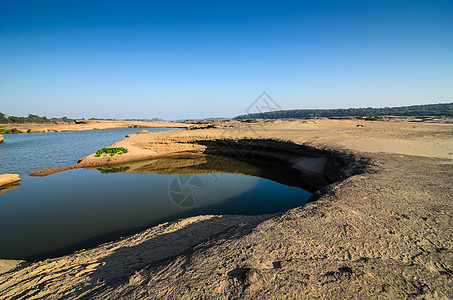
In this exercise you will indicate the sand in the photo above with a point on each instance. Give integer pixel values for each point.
(381, 229)
(8, 182)
(89, 125)
(7, 179)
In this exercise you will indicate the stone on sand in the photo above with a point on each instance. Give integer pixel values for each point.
(6, 179)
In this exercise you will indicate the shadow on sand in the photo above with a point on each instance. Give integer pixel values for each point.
(152, 250)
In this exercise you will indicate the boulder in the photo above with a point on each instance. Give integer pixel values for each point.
(1, 138)
(6, 179)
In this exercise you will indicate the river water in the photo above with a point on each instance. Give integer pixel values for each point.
(29, 152)
(77, 209)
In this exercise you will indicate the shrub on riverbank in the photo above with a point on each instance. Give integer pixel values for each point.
(111, 151)
(10, 131)
(371, 118)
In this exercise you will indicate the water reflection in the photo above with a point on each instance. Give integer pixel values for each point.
(58, 214)
(9, 187)
(218, 165)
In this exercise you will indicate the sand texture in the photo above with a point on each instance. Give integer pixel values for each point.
(382, 228)
(9, 182)
(6, 179)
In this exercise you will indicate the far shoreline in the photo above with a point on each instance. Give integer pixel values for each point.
(87, 125)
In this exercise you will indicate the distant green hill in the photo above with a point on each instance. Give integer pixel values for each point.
(441, 109)
(30, 119)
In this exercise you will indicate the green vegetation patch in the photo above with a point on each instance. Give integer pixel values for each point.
(111, 151)
(371, 118)
(10, 131)
(441, 109)
(31, 119)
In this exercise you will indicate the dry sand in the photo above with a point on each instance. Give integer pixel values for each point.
(6, 179)
(382, 230)
(8, 182)
(89, 125)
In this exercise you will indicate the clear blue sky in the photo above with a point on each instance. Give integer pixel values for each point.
(194, 59)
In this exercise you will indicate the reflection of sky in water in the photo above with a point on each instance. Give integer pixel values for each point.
(57, 211)
(225, 186)
(30, 152)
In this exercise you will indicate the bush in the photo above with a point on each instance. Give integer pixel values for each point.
(10, 131)
(371, 118)
(111, 151)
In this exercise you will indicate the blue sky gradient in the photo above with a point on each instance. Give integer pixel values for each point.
(195, 59)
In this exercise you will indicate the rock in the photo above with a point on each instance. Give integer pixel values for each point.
(144, 131)
(6, 179)
(1, 138)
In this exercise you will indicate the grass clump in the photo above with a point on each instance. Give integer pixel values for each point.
(10, 131)
(371, 118)
(111, 151)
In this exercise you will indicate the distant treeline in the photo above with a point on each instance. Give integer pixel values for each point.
(43, 120)
(442, 109)
(30, 119)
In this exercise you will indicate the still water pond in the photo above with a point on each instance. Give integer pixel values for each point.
(60, 213)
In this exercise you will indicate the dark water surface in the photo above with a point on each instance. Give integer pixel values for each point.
(77, 209)
(30, 152)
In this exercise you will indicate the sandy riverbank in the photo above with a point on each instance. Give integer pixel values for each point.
(8, 182)
(383, 229)
(89, 125)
